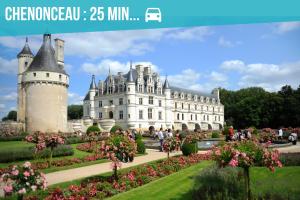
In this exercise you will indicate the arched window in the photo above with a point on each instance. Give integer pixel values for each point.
(111, 115)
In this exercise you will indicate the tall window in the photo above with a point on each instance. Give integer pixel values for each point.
(100, 115)
(121, 114)
(189, 107)
(128, 89)
(196, 117)
(149, 113)
(207, 108)
(191, 116)
(100, 104)
(121, 101)
(176, 105)
(182, 116)
(215, 118)
(182, 105)
(111, 102)
(178, 116)
(140, 88)
(159, 103)
(207, 117)
(160, 115)
(140, 114)
(120, 88)
(195, 107)
(203, 117)
(151, 100)
(47, 74)
(141, 101)
(219, 118)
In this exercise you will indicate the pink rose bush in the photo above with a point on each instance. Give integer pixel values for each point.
(245, 154)
(118, 148)
(45, 140)
(23, 179)
(170, 145)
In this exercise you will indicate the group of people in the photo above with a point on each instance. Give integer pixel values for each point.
(239, 135)
(162, 135)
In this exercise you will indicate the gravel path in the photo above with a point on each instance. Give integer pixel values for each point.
(81, 172)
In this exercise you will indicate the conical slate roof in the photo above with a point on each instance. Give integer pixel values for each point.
(130, 75)
(45, 58)
(166, 84)
(93, 83)
(26, 50)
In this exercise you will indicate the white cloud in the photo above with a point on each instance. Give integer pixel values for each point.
(217, 76)
(105, 65)
(195, 33)
(233, 65)
(74, 98)
(269, 76)
(227, 43)
(2, 107)
(281, 28)
(111, 43)
(10, 97)
(8, 66)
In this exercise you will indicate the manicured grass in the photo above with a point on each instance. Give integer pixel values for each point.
(180, 185)
(284, 180)
(174, 186)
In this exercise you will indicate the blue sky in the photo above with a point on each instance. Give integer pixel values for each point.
(199, 58)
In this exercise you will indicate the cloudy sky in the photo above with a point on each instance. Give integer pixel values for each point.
(199, 58)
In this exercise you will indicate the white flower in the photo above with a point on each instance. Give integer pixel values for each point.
(34, 187)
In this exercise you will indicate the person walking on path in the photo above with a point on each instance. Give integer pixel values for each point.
(161, 138)
(280, 133)
(169, 133)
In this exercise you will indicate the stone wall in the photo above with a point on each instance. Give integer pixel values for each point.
(9, 128)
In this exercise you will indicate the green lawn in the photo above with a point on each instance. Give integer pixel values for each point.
(14, 145)
(174, 186)
(179, 186)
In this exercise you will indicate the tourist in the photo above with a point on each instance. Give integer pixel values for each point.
(161, 138)
(169, 133)
(280, 133)
(178, 140)
(293, 138)
(231, 133)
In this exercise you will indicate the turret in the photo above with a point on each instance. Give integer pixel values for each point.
(92, 94)
(25, 58)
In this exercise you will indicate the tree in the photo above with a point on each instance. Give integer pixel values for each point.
(75, 111)
(12, 115)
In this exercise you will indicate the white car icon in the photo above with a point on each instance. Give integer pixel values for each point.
(153, 14)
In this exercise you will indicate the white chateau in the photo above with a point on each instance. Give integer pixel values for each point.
(139, 100)
(43, 87)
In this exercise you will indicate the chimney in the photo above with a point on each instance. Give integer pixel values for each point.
(59, 52)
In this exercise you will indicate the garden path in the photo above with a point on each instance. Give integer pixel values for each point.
(290, 149)
(82, 172)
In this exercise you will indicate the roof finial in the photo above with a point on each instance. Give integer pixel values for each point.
(108, 70)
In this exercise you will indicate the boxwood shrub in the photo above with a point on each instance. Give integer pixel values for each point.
(189, 148)
(115, 128)
(93, 128)
(140, 146)
(27, 153)
(215, 134)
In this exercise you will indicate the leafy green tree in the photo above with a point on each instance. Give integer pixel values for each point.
(75, 111)
(12, 115)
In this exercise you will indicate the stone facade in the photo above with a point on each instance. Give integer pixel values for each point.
(139, 100)
(43, 88)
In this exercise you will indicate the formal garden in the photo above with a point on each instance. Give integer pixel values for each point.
(241, 169)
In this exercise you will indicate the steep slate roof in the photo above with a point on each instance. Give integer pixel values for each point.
(187, 91)
(87, 97)
(93, 83)
(45, 58)
(26, 50)
(166, 84)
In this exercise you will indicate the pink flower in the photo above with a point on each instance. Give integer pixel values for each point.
(8, 189)
(15, 172)
(233, 163)
(22, 191)
(27, 164)
(26, 174)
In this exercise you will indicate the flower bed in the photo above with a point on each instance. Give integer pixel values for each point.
(102, 187)
(87, 147)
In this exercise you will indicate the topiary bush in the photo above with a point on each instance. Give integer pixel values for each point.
(141, 149)
(215, 134)
(219, 184)
(189, 148)
(93, 128)
(115, 128)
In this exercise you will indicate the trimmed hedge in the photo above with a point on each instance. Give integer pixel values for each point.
(189, 148)
(290, 159)
(74, 140)
(93, 128)
(215, 134)
(12, 138)
(27, 153)
(115, 128)
(140, 146)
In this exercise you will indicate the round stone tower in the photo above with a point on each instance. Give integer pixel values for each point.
(45, 84)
